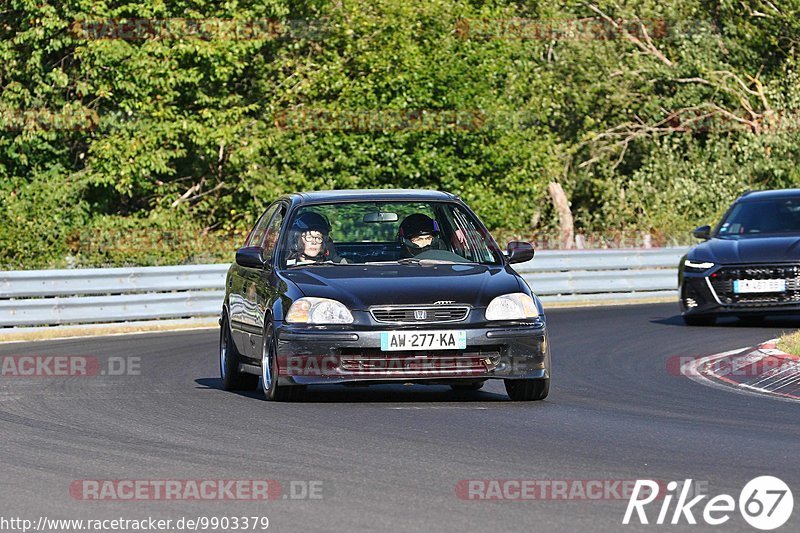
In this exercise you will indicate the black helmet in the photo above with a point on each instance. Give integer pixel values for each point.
(310, 221)
(414, 226)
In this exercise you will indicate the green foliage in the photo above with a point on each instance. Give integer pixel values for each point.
(198, 134)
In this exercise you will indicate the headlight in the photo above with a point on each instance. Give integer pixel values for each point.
(318, 311)
(514, 306)
(697, 265)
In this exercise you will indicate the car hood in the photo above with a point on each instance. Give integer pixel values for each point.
(748, 250)
(359, 287)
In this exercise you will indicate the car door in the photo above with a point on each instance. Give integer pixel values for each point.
(259, 284)
(237, 285)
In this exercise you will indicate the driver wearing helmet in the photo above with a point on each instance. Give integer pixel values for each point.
(310, 242)
(418, 233)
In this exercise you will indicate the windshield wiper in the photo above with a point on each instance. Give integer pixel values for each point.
(314, 263)
(415, 261)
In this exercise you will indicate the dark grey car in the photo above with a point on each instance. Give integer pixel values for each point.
(365, 310)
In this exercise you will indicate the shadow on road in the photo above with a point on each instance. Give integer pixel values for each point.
(779, 321)
(216, 383)
(398, 394)
(389, 393)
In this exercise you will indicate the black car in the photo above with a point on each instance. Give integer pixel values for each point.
(749, 265)
(379, 286)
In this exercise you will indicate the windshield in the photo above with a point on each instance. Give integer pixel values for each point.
(386, 233)
(761, 217)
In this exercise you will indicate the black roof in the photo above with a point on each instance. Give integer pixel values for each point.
(769, 195)
(346, 195)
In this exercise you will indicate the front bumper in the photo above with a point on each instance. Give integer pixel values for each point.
(712, 293)
(319, 355)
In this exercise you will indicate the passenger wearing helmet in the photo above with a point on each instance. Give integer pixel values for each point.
(418, 233)
(309, 241)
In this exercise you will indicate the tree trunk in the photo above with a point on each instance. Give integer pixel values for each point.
(565, 221)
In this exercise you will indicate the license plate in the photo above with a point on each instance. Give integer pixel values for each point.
(423, 340)
(759, 285)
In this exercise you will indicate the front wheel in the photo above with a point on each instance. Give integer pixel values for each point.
(526, 390)
(269, 371)
(232, 377)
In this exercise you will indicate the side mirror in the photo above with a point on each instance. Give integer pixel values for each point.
(250, 257)
(703, 232)
(519, 251)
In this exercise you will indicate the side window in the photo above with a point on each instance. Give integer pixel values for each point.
(468, 240)
(272, 234)
(256, 236)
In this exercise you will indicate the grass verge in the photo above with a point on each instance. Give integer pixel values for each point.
(790, 343)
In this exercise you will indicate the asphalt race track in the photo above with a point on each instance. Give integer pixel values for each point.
(390, 457)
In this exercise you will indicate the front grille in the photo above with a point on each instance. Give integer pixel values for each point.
(462, 362)
(420, 314)
(722, 283)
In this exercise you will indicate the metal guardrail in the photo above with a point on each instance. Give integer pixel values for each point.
(569, 275)
(84, 296)
(93, 295)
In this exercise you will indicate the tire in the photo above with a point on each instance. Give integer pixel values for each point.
(467, 386)
(229, 358)
(269, 371)
(526, 390)
(699, 320)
